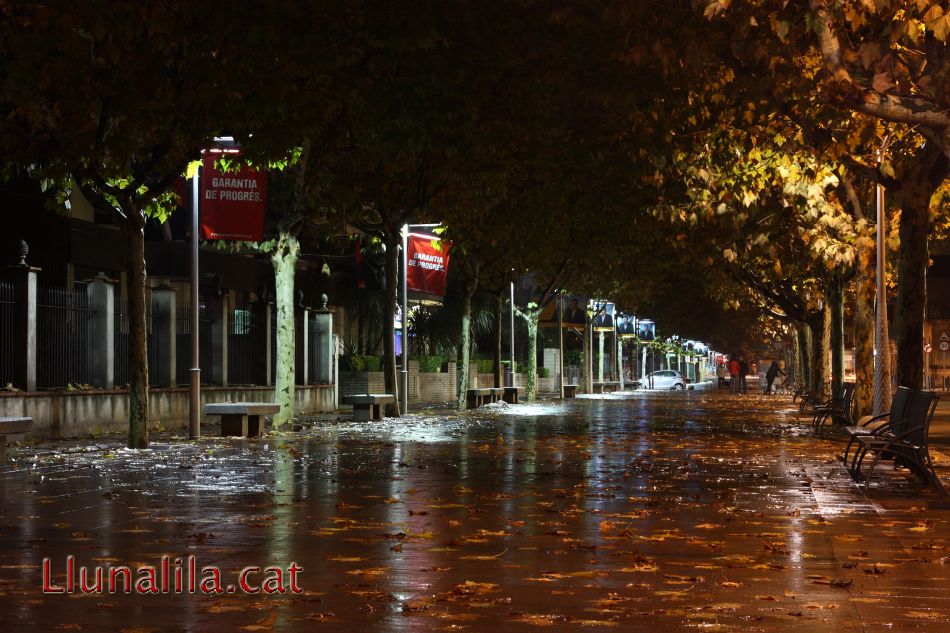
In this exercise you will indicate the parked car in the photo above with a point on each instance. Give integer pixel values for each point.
(664, 379)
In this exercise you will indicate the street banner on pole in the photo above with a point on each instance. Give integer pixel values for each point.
(232, 203)
(427, 265)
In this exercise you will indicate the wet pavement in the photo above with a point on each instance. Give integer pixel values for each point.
(694, 511)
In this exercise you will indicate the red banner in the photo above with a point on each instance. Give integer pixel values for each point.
(232, 204)
(428, 265)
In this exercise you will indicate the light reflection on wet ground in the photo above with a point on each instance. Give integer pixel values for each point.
(680, 511)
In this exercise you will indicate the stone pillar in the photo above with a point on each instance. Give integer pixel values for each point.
(164, 332)
(323, 345)
(23, 278)
(101, 294)
(219, 310)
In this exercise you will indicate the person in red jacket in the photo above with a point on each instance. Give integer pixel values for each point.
(734, 374)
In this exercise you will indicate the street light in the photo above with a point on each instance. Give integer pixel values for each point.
(882, 369)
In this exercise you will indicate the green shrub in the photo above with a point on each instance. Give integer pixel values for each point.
(574, 358)
(485, 365)
(544, 372)
(430, 364)
(358, 362)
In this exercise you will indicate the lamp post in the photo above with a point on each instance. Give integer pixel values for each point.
(511, 339)
(404, 372)
(194, 373)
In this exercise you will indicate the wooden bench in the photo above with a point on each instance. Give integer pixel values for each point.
(475, 398)
(242, 418)
(12, 426)
(511, 394)
(369, 406)
(570, 391)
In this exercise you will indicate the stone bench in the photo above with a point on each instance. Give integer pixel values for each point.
(12, 426)
(242, 418)
(511, 394)
(475, 398)
(369, 406)
(570, 391)
(606, 386)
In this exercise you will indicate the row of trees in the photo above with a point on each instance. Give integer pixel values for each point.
(630, 150)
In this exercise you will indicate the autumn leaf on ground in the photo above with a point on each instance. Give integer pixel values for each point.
(266, 624)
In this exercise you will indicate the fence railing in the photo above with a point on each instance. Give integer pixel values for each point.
(183, 346)
(243, 333)
(63, 338)
(73, 344)
(6, 332)
(120, 341)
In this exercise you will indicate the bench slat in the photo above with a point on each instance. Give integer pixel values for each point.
(10, 425)
(241, 408)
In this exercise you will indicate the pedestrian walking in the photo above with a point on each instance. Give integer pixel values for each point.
(734, 375)
(743, 372)
(721, 375)
(771, 374)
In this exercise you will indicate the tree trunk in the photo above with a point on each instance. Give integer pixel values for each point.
(284, 261)
(588, 363)
(912, 289)
(825, 350)
(836, 334)
(816, 356)
(915, 192)
(390, 378)
(864, 328)
(138, 350)
(496, 354)
(802, 364)
(466, 341)
(531, 368)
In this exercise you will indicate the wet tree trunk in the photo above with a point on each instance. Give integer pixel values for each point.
(824, 351)
(466, 340)
(138, 350)
(802, 362)
(836, 334)
(531, 368)
(914, 193)
(912, 289)
(791, 358)
(390, 378)
(284, 261)
(531, 316)
(588, 362)
(864, 329)
(496, 354)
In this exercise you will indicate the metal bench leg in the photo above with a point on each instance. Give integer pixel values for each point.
(234, 424)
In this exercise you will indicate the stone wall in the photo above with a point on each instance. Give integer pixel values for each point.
(424, 387)
(70, 414)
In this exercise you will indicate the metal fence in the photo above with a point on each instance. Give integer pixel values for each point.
(120, 341)
(6, 332)
(63, 338)
(243, 333)
(183, 345)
